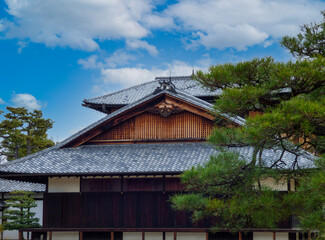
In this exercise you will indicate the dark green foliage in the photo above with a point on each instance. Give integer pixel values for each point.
(228, 189)
(18, 213)
(309, 200)
(24, 132)
(310, 42)
(289, 99)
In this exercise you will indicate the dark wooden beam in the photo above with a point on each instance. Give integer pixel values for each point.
(164, 235)
(50, 235)
(151, 230)
(112, 235)
(143, 236)
(274, 235)
(240, 236)
(189, 107)
(206, 236)
(81, 236)
(175, 235)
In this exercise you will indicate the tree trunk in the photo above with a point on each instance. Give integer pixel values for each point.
(28, 142)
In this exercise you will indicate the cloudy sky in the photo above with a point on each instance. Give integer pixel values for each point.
(54, 53)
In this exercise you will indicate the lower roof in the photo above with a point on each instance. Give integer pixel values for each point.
(12, 185)
(135, 158)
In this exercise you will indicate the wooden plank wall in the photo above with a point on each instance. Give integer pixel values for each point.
(114, 210)
(169, 184)
(148, 126)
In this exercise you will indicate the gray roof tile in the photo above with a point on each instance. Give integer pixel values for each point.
(136, 158)
(133, 94)
(13, 185)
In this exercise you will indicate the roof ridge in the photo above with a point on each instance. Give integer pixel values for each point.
(122, 90)
(183, 76)
(137, 85)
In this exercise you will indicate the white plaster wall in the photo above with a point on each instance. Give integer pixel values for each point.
(64, 184)
(169, 236)
(38, 210)
(279, 185)
(10, 235)
(262, 236)
(282, 236)
(132, 236)
(153, 235)
(159, 236)
(269, 236)
(190, 236)
(64, 236)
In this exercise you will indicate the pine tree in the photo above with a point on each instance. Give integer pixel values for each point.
(18, 212)
(288, 102)
(24, 132)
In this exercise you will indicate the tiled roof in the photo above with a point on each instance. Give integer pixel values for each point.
(12, 185)
(178, 94)
(135, 158)
(133, 94)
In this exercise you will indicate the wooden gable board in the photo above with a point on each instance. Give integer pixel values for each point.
(164, 97)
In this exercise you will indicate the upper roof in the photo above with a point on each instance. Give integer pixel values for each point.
(177, 94)
(136, 158)
(133, 94)
(13, 185)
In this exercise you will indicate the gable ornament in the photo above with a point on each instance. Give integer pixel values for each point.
(165, 109)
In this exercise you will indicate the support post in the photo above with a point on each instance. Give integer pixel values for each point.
(175, 235)
(112, 235)
(164, 235)
(274, 235)
(50, 235)
(309, 236)
(143, 236)
(240, 236)
(20, 235)
(206, 236)
(81, 236)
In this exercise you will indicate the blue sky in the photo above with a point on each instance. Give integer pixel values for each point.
(54, 53)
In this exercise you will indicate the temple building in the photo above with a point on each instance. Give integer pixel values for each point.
(113, 179)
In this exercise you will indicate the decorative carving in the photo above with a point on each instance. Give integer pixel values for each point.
(165, 109)
(165, 85)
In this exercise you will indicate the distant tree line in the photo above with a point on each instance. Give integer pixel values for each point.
(23, 132)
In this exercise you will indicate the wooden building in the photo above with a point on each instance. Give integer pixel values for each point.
(113, 179)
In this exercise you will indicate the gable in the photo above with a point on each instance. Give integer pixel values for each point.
(152, 126)
(163, 100)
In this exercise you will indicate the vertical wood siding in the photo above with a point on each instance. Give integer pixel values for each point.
(147, 126)
(115, 210)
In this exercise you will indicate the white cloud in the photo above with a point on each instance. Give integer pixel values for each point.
(241, 23)
(126, 77)
(118, 58)
(2, 101)
(90, 62)
(80, 24)
(159, 21)
(26, 100)
(76, 23)
(139, 44)
(21, 45)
